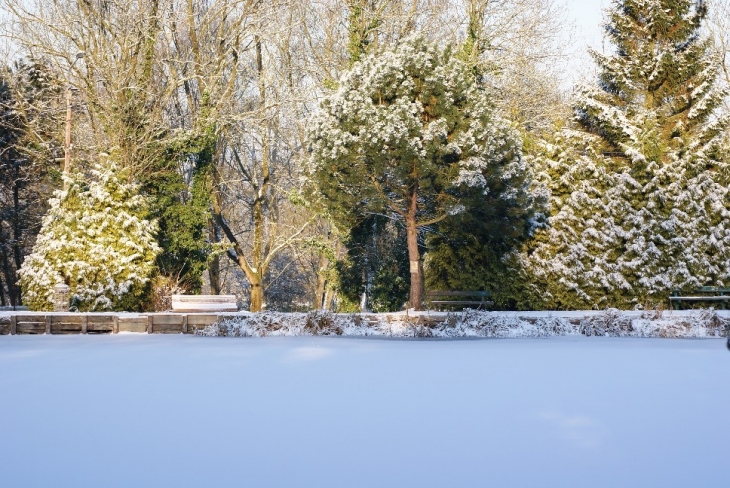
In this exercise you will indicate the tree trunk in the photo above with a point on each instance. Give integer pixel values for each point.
(262, 193)
(320, 290)
(214, 275)
(329, 298)
(12, 278)
(9, 276)
(257, 295)
(214, 266)
(416, 295)
(259, 251)
(2, 293)
(365, 297)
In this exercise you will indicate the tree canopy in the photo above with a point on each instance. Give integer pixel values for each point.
(407, 132)
(324, 154)
(640, 183)
(97, 240)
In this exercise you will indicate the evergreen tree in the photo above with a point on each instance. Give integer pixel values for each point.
(640, 183)
(96, 239)
(410, 131)
(28, 123)
(374, 272)
(12, 166)
(376, 264)
(476, 249)
(181, 209)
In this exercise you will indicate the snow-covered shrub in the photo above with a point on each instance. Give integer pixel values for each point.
(161, 290)
(609, 323)
(470, 323)
(322, 322)
(614, 323)
(700, 323)
(476, 323)
(282, 324)
(96, 239)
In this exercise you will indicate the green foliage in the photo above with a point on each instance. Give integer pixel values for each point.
(377, 264)
(181, 208)
(362, 21)
(414, 120)
(12, 169)
(640, 186)
(96, 239)
(414, 116)
(474, 250)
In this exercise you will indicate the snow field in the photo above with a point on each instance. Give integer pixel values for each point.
(152, 411)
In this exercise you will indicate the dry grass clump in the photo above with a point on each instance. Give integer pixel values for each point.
(471, 323)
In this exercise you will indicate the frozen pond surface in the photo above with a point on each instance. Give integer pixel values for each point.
(182, 411)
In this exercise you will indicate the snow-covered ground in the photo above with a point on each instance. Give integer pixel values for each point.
(182, 411)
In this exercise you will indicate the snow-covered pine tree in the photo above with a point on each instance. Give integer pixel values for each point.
(96, 239)
(405, 132)
(640, 183)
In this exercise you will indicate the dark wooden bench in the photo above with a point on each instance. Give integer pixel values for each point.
(457, 299)
(702, 294)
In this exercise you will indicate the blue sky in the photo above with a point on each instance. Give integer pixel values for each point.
(588, 15)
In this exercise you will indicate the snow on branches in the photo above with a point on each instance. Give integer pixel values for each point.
(640, 192)
(95, 238)
(411, 132)
(413, 113)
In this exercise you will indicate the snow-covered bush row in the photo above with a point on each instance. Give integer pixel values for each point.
(470, 323)
(703, 323)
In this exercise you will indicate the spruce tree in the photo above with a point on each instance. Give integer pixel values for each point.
(640, 182)
(97, 240)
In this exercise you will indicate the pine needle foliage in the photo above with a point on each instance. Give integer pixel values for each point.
(410, 131)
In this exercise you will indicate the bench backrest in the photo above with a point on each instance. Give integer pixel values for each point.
(204, 303)
(703, 289)
(713, 289)
(440, 293)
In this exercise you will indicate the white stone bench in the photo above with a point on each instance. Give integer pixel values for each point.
(204, 303)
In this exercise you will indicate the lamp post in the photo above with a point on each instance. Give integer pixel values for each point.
(67, 145)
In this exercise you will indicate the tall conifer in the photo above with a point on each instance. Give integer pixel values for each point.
(640, 187)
